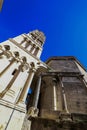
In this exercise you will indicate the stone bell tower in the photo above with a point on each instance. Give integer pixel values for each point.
(19, 60)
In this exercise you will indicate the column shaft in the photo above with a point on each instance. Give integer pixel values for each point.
(37, 92)
(10, 83)
(54, 97)
(12, 61)
(64, 97)
(32, 48)
(26, 87)
(27, 45)
(36, 52)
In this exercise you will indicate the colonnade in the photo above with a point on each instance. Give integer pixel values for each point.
(15, 78)
(30, 46)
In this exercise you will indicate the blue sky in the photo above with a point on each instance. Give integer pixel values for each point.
(64, 23)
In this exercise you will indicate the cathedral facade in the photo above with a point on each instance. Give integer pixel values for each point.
(35, 95)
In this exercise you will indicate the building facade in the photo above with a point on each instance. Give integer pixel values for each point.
(40, 96)
(63, 96)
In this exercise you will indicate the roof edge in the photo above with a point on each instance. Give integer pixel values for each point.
(65, 58)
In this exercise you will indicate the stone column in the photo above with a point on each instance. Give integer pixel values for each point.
(37, 92)
(54, 94)
(33, 111)
(7, 67)
(23, 40)
(24, 92)
(64, 97)
(27, 44)
(6, 75)
(32, 48)
(36, 51)
(10, 83)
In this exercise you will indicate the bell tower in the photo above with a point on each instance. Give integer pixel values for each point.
(19, 58)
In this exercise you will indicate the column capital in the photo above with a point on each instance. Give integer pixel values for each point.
(32, 70)
(8, 53)
(33, 112)
(54, 80)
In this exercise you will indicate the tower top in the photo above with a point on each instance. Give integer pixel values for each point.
(38, 36)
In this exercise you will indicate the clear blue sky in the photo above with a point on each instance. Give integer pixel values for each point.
(64, 23)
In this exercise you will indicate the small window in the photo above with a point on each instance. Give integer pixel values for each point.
(13, 73)
(16, 54)
(32, 64)
(24, 59)
(7, 47)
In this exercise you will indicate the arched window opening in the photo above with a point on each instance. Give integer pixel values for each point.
(14, 71)
(32, 64)
(7, 47)
(24, 59)
(16, 53)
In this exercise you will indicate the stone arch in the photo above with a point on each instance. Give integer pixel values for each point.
(7, 47)
(32, 65)
(24, 59)
(16, 53)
